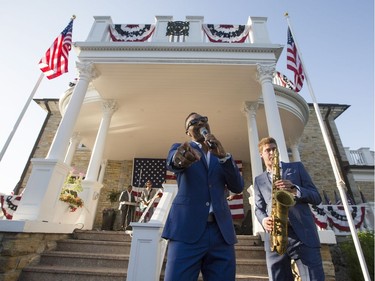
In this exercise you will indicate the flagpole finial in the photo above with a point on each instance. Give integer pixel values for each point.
(73, 17)
(286, 14)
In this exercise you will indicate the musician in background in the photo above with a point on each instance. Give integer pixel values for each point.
(127, 207)
(303, 241)
(146, 198)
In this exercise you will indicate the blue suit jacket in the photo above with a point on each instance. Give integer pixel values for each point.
(198, 186)
(300, 215)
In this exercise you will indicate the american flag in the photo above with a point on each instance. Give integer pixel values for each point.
(145, 169)
(55, 61)
(294, 63)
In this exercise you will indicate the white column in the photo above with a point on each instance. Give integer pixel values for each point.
(275, 128)
(91, 186)
(74, 141)
(250, 109)
(109, 107)
(61, 141)
(295, 152)
(40, 198)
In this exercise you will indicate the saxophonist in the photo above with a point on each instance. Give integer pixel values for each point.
(302, 242)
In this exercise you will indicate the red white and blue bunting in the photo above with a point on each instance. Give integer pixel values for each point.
(334, 217)
(225, 33)
(281, 80)
(9, 204)
(131, 32)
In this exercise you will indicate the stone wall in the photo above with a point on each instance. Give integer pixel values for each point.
(367, 189)
(117, 177)
(18, 250)
(314, 156)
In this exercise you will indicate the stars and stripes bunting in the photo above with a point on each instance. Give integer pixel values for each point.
(9, 204)
(282, 80)
(226, 33)
(131, 32)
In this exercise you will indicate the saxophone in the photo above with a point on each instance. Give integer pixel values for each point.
(281, 201)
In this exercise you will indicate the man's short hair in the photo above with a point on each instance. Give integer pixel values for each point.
(264, 141)
(192, 113)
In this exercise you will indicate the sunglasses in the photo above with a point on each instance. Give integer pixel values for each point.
(195, 121)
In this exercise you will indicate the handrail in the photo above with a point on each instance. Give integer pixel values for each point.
(147, 246)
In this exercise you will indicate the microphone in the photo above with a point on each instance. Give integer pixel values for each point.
(204, 133)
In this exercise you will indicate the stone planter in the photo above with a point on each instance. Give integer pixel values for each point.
(109, 216)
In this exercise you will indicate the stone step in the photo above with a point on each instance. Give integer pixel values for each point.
(79, 259)
(93, 246)
(104, 256)
(103, 235)
(249, 240)
(61, 273)
(250, 252)
(254, 266)
(64, 273)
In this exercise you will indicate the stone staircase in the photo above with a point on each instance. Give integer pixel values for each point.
(104, 256)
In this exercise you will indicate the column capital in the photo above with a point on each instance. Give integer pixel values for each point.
(87, 70)
(109, 106)
(250, 108)
(265, 71)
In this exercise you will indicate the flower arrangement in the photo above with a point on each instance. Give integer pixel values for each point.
(69, 193)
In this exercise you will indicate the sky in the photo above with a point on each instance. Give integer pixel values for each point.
(335, 37)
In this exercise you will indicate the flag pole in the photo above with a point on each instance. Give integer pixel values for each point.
(21, 116)
(340, 183)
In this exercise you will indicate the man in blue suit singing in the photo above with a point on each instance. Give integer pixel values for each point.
(199, 226)
(303, 241)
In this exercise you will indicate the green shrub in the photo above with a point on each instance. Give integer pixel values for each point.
(367, 244)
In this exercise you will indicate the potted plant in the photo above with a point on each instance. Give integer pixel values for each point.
(69, 193)
(109, 214)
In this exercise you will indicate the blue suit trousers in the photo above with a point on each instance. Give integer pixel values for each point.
(211, 255)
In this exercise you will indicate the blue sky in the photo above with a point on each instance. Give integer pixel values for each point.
(336, 39)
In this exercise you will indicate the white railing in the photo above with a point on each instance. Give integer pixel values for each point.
(360, 157)
(258, 32)
(147, 246)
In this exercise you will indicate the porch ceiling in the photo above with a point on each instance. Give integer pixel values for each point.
(154, 99)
